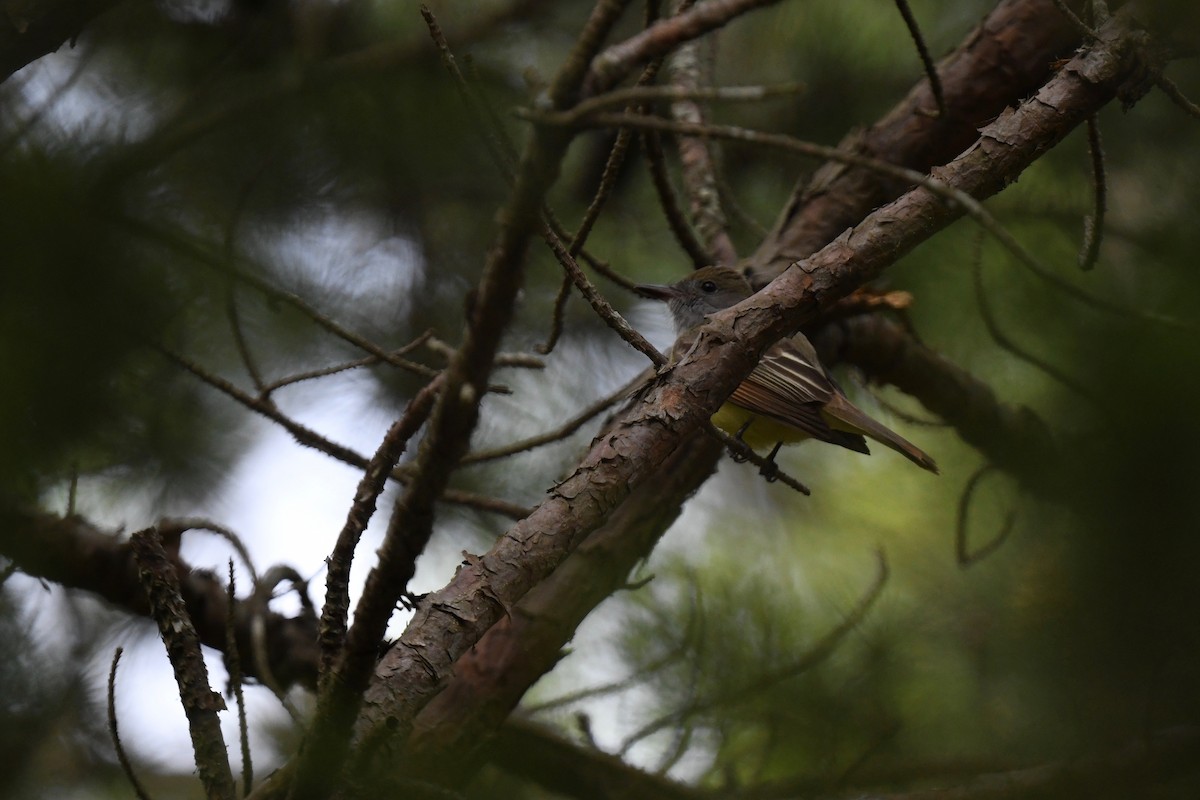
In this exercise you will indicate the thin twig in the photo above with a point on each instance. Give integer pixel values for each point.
(239, 336)
(652, 150)
(182, 524)
(72, 489)
(233, 665)
(122, 756)
(914, 30)
(599, 265)
(1002, 339)
(608, 180)
(556, 316)
(303, 435)
(521, 360)
(559, 433)
(310, 438)
(970, 206)
(964, 557)
(604, 269)
(258, 604)
(689, 638)
(185, 245)
(231, 307)
(743, 452)
(729, 200)
(1093, 225)
(495, 122)
(492, 505)
(659, 175)
(824, 648)
(504, 156)
(337, 580)
(327, 747)
(641, 95)
(602, 307)
(1172, 91)
(640, 675)
(500, 147)
(610, 66)
(267, 390)
(1079, 25)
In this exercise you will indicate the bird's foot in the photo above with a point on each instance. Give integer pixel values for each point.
(770, 470)
(739, 457)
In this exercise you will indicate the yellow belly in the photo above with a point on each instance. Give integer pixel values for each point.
(763, 432)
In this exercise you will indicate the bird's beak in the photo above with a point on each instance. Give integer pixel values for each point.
(655, 291)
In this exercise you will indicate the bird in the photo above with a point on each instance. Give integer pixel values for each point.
(789, 396)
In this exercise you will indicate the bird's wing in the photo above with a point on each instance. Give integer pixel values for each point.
(792, 388)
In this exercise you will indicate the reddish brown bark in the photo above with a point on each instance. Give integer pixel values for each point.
(1005, 59)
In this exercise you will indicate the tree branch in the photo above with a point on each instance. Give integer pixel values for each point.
(617, 61)
(1007, 57)
(75, 554)
(1014, 439)
(689, 391)
(454, 417)
(490, 678)
(200, 702)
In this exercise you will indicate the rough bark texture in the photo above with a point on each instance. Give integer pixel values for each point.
(688, 392)
(490, 633)
(492, 677)
(75, 554)
(1006, 58)
(200, 703)
(448, 434)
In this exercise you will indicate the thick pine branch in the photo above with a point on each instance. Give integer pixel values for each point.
(1006, 58)
(491, 679)
(483, 591)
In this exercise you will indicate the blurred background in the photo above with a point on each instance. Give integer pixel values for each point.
(176, 179)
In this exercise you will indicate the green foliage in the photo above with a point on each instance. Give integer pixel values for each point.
(331, 158)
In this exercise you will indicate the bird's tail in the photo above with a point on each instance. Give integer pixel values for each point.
(843, 415)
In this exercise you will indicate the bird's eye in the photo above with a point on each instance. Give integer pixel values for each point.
(708, 287)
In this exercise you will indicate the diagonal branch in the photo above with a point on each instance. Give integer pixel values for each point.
(454, 417)
(689, 391)
(1009, 55)
(491, 678)
(611, 66)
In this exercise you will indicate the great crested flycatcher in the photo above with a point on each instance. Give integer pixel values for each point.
(788, 397)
